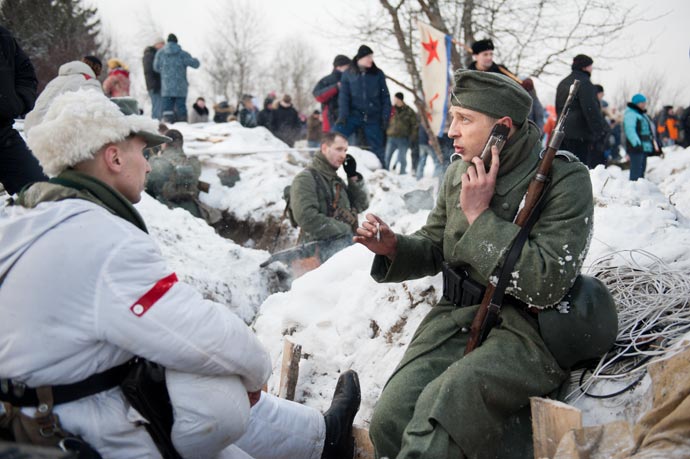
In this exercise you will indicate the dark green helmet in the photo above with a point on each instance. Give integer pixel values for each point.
(589, 327)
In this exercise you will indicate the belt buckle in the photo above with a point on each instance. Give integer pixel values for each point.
(18, 389)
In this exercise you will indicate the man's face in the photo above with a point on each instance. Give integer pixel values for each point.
(397, 102)
(484, 59)
(469, 130)
(131, 178)
(642, 105)
(366, 61)
(335, 152)
(247, 103)
(201, 103)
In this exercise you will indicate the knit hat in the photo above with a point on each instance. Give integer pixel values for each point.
(399, 95)
(363, 50)
(482, 45)
(581, 61)
(493, 94)
(114, 63)
(341, 60)
(638, 99)
(79, 123)
(172, 38)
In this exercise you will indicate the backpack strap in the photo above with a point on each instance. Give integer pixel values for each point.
(323, 194)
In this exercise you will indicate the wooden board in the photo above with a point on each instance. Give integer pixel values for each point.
(550, 421)
(364, 449)
(289, 370)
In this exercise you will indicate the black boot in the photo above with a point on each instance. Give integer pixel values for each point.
(339, 443)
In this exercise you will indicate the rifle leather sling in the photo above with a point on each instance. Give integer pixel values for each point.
(515, 250)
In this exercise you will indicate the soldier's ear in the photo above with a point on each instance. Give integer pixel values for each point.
(506, 121)
(112, 156)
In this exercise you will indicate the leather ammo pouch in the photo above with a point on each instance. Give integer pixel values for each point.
(459, 288)
(346, 216)
(42, 429)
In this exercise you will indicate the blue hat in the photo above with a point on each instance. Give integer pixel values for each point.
(638, 98)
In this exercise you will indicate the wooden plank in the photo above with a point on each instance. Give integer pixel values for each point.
(551, 420)
(289, 370)
(364, 449)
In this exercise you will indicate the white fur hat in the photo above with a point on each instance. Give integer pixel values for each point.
(78, 124)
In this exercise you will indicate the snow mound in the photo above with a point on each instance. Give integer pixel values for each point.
(222, 270)
(344, 319)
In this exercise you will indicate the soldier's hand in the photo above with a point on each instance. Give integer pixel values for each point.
(376, 236)
(254, 397)
(350, 166)
(478, 186)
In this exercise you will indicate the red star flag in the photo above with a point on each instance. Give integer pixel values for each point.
(435, 75)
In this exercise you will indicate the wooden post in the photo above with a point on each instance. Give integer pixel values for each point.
(289, 370)
(364, 449)
(551, 420)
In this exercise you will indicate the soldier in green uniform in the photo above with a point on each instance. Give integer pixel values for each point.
(174, 179)
(439, 403)
(322, 205)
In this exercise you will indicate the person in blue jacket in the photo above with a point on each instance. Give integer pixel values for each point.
(171, 62)
(639, 136)
(364, 102)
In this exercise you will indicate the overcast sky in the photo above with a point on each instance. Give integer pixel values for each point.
(667, 38)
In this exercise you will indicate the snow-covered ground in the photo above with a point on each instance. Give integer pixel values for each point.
(343, 319)
(340, 316)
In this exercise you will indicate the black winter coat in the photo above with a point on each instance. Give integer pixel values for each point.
(18, 81)
(153, 78)
(364, 93)
(264, 118)
(326, 92)
(285, 124)
(585, 121)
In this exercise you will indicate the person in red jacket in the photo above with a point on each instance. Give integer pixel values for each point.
(117, 83)
(326, 92)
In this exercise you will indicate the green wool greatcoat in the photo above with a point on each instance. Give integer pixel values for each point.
(403, 124)
(310, 200)
(471, 397)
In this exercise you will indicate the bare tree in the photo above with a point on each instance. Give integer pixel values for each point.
(652, 84)
(532, 36)
(293, 69)
(234, 49)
